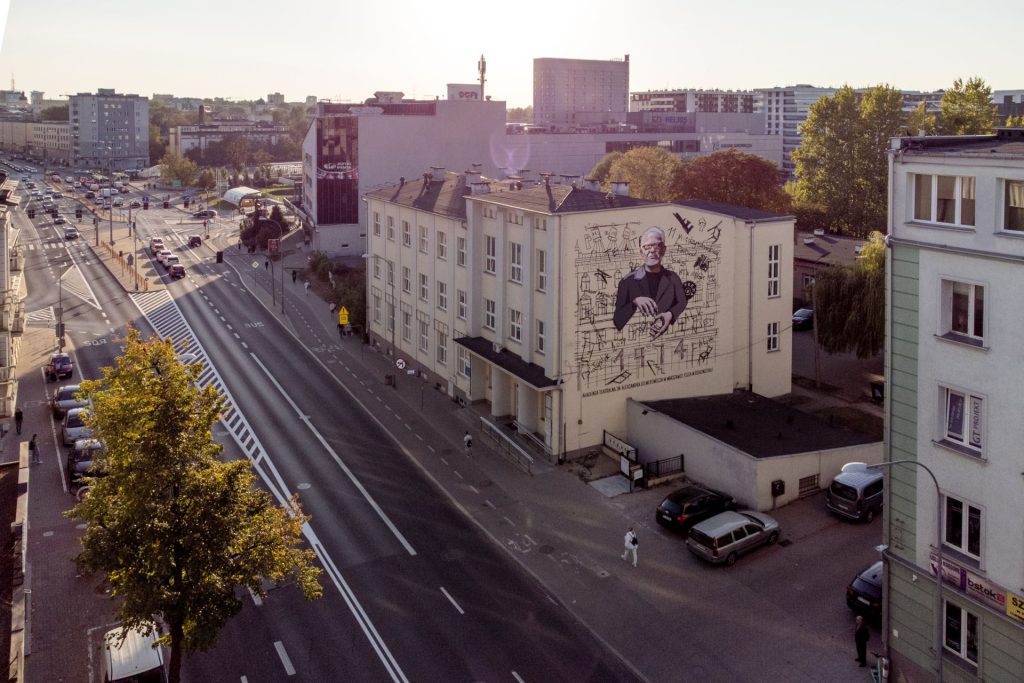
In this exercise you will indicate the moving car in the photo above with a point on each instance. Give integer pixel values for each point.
(73, 428)
(864, 594)
(64, 399)
(156, 245)
(162, 254)
(118, 202)
(90, 195)
(689, 505)
(176, 271)
(205, 213)
(135, 204)
(59, 367)
(803, 319)
(71, 233)
(195, 241)
(59, 220)
(726, 536)
(171, 260)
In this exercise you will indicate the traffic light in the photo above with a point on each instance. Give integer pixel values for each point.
(167, 204)
(78, 213)
(31, 213)
(220, 257)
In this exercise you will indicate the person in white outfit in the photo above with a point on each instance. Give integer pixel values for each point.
(631, 545)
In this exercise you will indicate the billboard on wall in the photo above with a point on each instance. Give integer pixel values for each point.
(464, 91)
(337, 171)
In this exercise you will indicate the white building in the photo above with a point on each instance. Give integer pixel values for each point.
(509, 296)
(694, 100)
(183, 139)
(956, 282)
(568, 93)
(110, 130)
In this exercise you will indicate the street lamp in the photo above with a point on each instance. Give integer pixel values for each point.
(938, 556)
(280, 237)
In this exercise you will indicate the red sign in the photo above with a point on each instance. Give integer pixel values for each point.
(273, 246)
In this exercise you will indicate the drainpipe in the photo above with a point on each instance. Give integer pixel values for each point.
(560, 431)
(750, 306)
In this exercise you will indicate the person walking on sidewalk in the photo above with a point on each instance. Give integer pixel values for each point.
(33, 450)
(468, 441)
(631, 543)
(18, 418)
(860, 637)
(334, 307)
(295, 276)
(307, 287)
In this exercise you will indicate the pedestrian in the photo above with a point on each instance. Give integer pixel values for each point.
(468, 441)
(307, 287)
(860, 637)
(334, 306)
(18, 418)
(341, 330)
(631, 544)
(266, 264)
(295, 276)
(33, 450)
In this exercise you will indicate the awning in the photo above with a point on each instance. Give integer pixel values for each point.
(531, 373)
(237, 194)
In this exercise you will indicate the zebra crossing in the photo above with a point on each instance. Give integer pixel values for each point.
(43, 317)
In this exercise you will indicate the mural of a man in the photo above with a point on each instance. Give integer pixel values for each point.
(653, 290)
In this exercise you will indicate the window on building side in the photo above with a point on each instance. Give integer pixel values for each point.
(963, 311)
(391, 228)
(423, 239)
(542, 270)
(489, 314)
(406, 325)
(962, 528)
(442, 245)
(773, 336)
(944, 199)
(391, 274)
(424, 288)
(960, 632)
(963, 420)
(391, 317)
(1013, 206)
(376, 223)
(490, 254)
(376, 308)
(442, 348)
(460, 251)
(464, 362)
(515, 324)
(424, 335)
(406, 280)
(462, 305)
(540, 337)
(376, 269)
(442, 295)
(406, 234)
(773, 269)
(515, 260)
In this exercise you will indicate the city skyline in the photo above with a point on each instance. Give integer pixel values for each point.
(193, 49)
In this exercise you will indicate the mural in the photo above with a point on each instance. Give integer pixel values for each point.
(647, 303)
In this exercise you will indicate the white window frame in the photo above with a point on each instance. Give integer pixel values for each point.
(490, 313)
(442, 295)
(462, 303)
(424, 242)
(442, 348)
(540, 337)
(390, 273)
(460, 251)
(774, 260)
(376, 269)
(969, 622)
(424, 326)
(390, 305)
(376, 223)
(962, 420)
(406, 325)
(515, 262)
(376, 308)
(465, 363)
(959, 187)
(406, 234)
(490, 254)
(515, 325)
(1014, 187)
(773, 337)
(391, 228)
(442, 245)
(542, 270)
(406, 280)
(963, 324)
(965, 528)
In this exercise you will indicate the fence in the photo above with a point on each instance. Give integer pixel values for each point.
(506, 446)
(660, 468)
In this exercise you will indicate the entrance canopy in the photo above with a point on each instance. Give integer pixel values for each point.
(241, 196)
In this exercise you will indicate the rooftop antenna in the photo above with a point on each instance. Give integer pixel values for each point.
(481, 66)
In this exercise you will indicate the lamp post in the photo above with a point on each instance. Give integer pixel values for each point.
(280, 237)
(938, 556)
(60, 307)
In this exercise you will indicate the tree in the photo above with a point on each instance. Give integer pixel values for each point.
(920, 122)
(967, 108)
(57, 113)
(732, 177)
(519, 114)
(174, 530)
(603, 168)
(649, 172)
(841, 165)
(849, 303)
(176, 167)
(206, 180)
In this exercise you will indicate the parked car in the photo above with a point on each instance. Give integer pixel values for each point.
(90, 195)
(176, 271)
(195, 241)
(80, 460)
(727, 535)
(156, 245)
(118, 202)
(59, 367)
(64, 399)
(71, 233)
(856, 492)
(689, 505)
(864, 594)
(73, 428)
(803, 319)
(205, 213)
(135, 204)
(171, 260)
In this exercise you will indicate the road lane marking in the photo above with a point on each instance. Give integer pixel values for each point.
(517, 677)
(452, 600)
(288, 668)
(257, 600)
(473, 489)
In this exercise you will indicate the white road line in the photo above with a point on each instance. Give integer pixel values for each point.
(408, 427)
(288, 668)
(419, 437)
(244, 345)
(473, 489)
(444, 461)
(489, 504)
(517, 677)
(431, 448)
(244, 680)
(457, 474)
(452, 600)
(509, 521)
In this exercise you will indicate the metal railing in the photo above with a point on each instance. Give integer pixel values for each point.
(506, 446)
(660, 468)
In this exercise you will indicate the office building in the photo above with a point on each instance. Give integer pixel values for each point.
(109, 130)
(693, 100)
(572, 93)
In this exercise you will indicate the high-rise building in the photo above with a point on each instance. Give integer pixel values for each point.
(569, 93)
(785, 110)
(110, 130)
(955, 282)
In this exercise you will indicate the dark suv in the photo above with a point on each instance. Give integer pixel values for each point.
(864, 594)
(684, 507)
(60, 367)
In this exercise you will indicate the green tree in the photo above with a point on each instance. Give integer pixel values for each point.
(920, 122)
(206, 180)
(174, 530)
(967, 108)
(519, 114)
(176, 167)
(732, 177)
(649, 171)
(603, 168)
(841, 165)
(1014, 121)
(57, 113)
(849, 303)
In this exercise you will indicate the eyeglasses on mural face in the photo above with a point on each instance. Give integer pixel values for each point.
(653, 246)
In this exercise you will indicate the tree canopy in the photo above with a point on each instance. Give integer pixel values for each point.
(849, 303)
(967, 108)
(920, 122)
(56, 113)
(176, 167)
(1014, 121)
(733, 178)
(172, 528)
(603, 168)
(649, 172)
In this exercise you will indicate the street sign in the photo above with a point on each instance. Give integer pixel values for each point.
(343, 316)
(255, 264)
(400, 363)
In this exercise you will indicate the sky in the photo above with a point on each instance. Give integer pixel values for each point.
(345, 51)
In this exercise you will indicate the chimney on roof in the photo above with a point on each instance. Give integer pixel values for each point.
(472, 174)
(547, 179)
(570, 179)
(620, 188)
(437, 173)
(480, 187)
(592, 184)
(524, 173)
(515, 182)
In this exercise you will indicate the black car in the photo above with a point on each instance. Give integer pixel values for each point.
(59, 367)
(803, 319)
(195, 241)
(864, 594)
(684, 507)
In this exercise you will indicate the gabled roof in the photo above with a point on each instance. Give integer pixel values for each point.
(741, 212)
(827, 249)
(560, 198)
(441, 197)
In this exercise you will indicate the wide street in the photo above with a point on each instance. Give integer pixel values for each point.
(435, 567)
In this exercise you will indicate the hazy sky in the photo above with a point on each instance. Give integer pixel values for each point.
(344, 50)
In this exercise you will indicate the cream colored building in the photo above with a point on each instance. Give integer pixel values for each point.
(42, 139)
(506, 296)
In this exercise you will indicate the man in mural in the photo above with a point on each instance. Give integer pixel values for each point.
(651, 289)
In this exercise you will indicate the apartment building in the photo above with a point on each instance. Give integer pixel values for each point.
(955, 286)
(109, 130)
(694, 100)
(785, 110)
(47, 140)
(518, 295)
(569, 93)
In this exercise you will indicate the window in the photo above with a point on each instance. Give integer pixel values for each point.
(490, 254)
(773, 336)
(944, 199)
(376, 223)
(442, 245)
(540, 336)
(424, 288)
(963, 311)
(406, 324)
(406, 283)
(773, 270)
(442, 295)
(391, 274)
(460, 251)
(391, 228)
(461, 312)
(515, 259)
(542, 270)
(406, 234)
(464, 362)
(963, 526)
(515, 324)
(1013, 208)
(376, 269)
(391, 316)
(960, 629)
(423, 239)
(376, 308)
(424, 335)
(489, 311)
(963, 415)
(442, 348)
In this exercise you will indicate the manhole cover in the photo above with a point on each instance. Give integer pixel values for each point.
(785, 542)
(303, 486)
(546, 549)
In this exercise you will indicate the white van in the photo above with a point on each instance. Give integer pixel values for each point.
(135, 660)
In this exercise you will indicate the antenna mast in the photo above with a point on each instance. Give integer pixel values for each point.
(482, 68)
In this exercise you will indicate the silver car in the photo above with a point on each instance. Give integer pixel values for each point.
(728, 535)
(73, 427)
(64, 399)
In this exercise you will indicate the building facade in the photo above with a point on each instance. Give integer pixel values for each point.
(693, 100)
(109, 130)
(184, 139)
(568, 93)
(956, 279)
(46, 140)
(519, 295)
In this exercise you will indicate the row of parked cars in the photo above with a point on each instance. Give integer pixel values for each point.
(168, 259)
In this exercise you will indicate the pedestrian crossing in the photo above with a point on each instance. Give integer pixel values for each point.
(43, 317)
